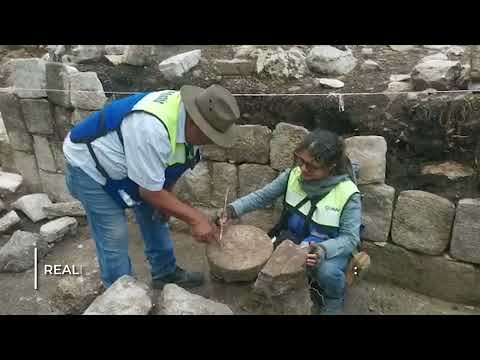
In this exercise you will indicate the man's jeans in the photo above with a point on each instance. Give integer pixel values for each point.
(330, 277)
(108, 224)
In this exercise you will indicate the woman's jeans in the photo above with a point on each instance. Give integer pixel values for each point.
(330, 277)
(108, 224)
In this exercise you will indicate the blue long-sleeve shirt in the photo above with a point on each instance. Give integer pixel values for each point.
(350, 221)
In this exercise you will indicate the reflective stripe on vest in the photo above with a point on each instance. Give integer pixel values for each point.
(166, 107)
(329, 209)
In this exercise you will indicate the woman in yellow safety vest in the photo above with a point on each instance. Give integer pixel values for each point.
(322, 210)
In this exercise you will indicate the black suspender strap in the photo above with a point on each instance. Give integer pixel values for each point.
(97, 163)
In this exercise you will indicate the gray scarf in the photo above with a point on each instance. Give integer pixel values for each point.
(321, 187)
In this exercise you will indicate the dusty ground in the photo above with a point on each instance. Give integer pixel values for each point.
(17, 295)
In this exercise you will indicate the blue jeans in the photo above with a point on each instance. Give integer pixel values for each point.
(330, 277)
(108, 224)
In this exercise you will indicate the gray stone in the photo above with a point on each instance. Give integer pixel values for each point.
(57, 150)
(436, 47)
(367, 51)
(328, 60)
(176, 301)
(63, 121)
(399, 77)
(437, 56)
(329, 83)
(370, 65)
(370, 152)
(8, 221)
(176, 66)
(126, 296)
(55, 230)
(452, 170)
(262, 219)
(475, 63)
(401, 48)
(399, 86)
(80, 115)
(71, 208)
(213, 152)
(247, 52)
(27, 167)
(422, 222)
(377, 211)
(9, 182)
(282, 64)
(116, 59)
(38, 116)
(243, 253)
(30, 74)
(74, 294)
(7, 72)
(429, 275)
(285, 139)
(252, 145)
(54, 185)
(235, 67)
(252, 177)
(224, 176)
(195, 185)
(455, 51)
(94, 98)
(436, 74)
(282, 286)
(32, 206)
(43, 153)
(138, 55)
(465, 244)
(82, 53)
(58, 78)
(17, 254)
(18, 135)
(115, 49)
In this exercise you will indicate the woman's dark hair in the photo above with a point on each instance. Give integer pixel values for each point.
(328, 149)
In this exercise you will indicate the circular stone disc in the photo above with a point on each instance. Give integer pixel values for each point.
(245, 250)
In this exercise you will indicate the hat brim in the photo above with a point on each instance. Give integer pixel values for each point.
(224, 139)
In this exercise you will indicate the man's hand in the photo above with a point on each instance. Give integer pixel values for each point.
(315, 256)
(204, 231)
(224, 218)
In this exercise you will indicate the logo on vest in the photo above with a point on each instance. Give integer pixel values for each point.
(163, 97)
(330, 208)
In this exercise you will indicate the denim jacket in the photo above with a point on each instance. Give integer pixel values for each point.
(350, 222)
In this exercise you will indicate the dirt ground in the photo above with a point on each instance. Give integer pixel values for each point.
(17, 296)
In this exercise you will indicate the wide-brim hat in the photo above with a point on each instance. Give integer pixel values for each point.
(214, 110)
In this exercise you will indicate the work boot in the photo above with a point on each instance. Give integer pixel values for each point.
(180, 277)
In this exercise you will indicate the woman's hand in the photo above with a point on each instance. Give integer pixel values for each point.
(315, 256)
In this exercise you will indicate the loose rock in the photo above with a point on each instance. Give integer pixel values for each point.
(176, 66)
(245, 251)
(17, 254)
(55, 230)
(177, 301)
(32, 205)
(331, 61)
(282, 287)
(329, 83)
(126, 296)
(450, 169)
(282, 64)
(437, 74)
(8, 221)
(9, 182)
(72, 208)
(370, 65)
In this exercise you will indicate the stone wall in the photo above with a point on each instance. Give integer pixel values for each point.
(416, 239)
(38, 120)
